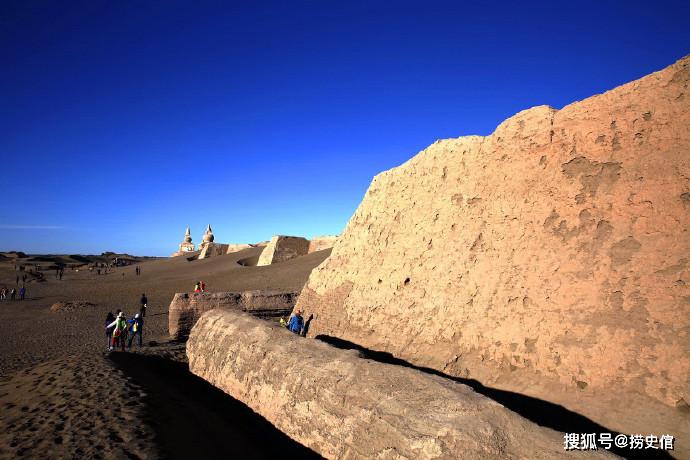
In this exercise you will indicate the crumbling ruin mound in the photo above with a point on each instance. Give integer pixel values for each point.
(283, 248)
(71, 305)
(185, 309)
(320, 243)
(252, 261)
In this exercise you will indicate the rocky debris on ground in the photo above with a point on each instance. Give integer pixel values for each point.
(71, 305)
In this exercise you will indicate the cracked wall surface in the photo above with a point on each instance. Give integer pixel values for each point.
(549, 258)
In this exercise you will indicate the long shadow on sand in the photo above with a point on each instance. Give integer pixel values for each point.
(193, 419)
(537, 410)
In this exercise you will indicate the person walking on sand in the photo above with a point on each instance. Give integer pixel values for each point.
(203, 286)
(109, 330)
(197, 287)
(13, 293)
(143, 304)
(136, 328)
(3, 293)
(22, 293)
(119, 331)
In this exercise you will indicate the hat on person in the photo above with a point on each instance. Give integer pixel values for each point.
(120, 315)
(137, 315)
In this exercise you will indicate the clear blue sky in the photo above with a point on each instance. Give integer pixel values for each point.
(122, 122)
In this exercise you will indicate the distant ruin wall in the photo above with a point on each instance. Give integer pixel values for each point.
(186, 308)
(343, 406)
(319, 243)
(282, 248)
(237, 247)
(213, 249)
(550, 258)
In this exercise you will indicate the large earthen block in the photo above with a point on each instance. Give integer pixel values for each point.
(186, 308)
(213, 249)
(282, 248)
(548, 258)
(319, 243)
(236, 247)
(343, 406)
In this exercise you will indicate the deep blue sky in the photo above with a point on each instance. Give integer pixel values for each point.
(122, 122)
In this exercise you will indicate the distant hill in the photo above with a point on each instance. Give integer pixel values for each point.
(71, 259)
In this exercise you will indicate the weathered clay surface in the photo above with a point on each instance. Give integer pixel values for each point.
(185, 308)
(282, 248)
(213, 249)
(343, 406)
(549, 258)
(319, 243)
(236, 247)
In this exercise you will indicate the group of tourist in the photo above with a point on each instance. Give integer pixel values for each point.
(137, 270)
(199, 287)
(12, 293)
(120, 332)
(101, 268)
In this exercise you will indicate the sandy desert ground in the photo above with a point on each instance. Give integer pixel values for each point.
(62, 395)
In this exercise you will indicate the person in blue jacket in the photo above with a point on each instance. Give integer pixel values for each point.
(136, 327)
(296, 323)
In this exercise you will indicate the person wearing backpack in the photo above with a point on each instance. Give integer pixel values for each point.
(136, 327)
(296, 323)
(119, 331)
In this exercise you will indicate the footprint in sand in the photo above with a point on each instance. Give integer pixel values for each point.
(114, 437)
